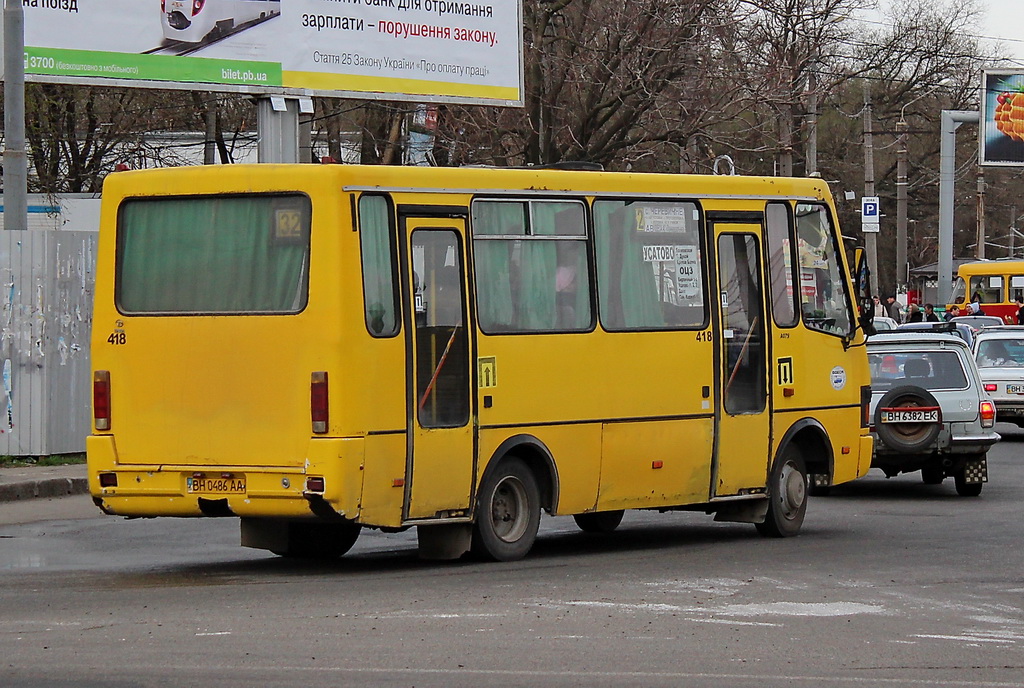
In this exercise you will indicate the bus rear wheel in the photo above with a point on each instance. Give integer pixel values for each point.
(319, 540)
(507, 513)
(599, 522)
(787, 495)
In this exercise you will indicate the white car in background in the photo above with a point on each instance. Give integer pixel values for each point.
(999, 353)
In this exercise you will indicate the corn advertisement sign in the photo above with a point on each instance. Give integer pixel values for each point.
(421, 50)
(1002, 119)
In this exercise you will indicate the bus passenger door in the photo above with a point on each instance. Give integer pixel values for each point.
(440, 442)
(742, 436)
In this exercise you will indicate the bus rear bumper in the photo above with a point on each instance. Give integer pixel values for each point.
(328, 485)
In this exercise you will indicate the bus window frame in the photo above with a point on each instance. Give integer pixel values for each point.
(119, 240)
(794, 264)
(586, 239)
(392, 233)
(702, 237)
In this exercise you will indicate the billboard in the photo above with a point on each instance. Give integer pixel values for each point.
(1002, 118)
(420, 50)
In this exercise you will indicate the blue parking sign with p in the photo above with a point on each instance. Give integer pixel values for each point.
(869, 207)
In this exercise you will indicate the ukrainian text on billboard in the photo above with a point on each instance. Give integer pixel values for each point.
(407, 49)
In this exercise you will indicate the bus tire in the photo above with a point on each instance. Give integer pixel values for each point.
(599, 521)
(787, 495)
(319, 540)
(507, 512)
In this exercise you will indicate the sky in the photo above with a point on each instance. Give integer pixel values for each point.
(1005, 20)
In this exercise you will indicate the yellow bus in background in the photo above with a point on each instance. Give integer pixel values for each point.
(319, 349)
(994, 284)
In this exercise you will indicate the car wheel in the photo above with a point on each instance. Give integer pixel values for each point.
(906, 438)
(507, 513)
(599, 522)
(787, 495)
(964, 488)
(932, 475)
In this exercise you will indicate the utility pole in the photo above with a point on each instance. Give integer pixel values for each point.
(15, 157)
(870, 238)
(812, 121)
(902, 276)
(981, 213)
(1013, 227)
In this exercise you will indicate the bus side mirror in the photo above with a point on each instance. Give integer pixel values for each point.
(862, 285)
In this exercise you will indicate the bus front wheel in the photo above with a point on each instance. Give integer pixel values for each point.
(787, 495)
(508, 513)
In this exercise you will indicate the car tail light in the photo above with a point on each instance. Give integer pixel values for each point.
(318, 401)
(101, 399)
(197, 6)
(163, 5)
(987, 410)
(990, 387)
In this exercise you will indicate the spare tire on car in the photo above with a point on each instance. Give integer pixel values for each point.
(907, 438)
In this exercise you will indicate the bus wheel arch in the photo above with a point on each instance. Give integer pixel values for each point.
(516, 486)
(810, 437)
(537, 457)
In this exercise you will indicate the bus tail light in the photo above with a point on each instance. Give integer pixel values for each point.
(318, 401)
(101, 399)
(988, 414)
(315, 484)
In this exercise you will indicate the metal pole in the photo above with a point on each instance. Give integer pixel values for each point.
(951, 120)
(870, 238)
(812, 122)
(981, 214)
(15, 158)
(902, 278)
(1013, 228)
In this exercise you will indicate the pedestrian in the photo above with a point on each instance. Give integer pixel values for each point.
(914, 314)
(893, 308)
(953, 312)
(975, 308)
(1020, 310)
(929, 313)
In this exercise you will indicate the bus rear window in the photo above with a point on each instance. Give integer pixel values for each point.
(213, 254)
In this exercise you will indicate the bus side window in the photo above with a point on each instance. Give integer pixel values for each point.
(1017, 287)
(986, 289)
(376, 246)
(780, 264)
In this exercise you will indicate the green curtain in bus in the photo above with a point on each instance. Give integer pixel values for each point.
(628, 291)
(493, 261)
(378, 265)
(234, 254)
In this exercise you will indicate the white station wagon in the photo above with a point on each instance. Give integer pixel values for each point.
(929, 409)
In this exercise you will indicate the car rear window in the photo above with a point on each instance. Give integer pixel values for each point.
(998, 353)
(932, 370)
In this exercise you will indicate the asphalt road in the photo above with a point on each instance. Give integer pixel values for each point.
(891, 583)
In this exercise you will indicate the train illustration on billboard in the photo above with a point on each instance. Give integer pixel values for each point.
(195, 21)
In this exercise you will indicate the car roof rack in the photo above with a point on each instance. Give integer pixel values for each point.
(936, 328)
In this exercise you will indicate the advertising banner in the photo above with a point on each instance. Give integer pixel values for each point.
(420, 50)
(1002, 118)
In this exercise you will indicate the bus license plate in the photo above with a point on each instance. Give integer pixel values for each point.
(908, 415)
(1015, 389)
(233, 485)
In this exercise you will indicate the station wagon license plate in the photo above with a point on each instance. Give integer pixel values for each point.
(216, 485)
(1015, 389)
(910, 415)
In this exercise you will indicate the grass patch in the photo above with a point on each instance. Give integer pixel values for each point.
(52, 460)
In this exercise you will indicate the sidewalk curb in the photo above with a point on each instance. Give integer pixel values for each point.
(48, 487)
